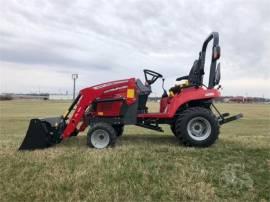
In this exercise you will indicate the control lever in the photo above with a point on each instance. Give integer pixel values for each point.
(164, 91)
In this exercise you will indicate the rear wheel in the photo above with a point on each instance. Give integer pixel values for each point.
(173, 129)
(101, 135)
(197, 126)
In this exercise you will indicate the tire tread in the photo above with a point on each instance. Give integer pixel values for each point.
(104, 126)
(180, 127)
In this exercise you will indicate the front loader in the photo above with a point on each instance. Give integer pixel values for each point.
(106, 108)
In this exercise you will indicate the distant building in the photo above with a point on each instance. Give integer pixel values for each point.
(60, 97)
(35, 96)
(29, 96)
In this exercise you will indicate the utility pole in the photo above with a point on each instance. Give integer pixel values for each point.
(74, 77)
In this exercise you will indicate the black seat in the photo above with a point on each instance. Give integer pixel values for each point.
(144, 92)
(195, 77)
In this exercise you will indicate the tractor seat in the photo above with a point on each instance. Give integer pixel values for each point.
(195, 76)
(143, 94)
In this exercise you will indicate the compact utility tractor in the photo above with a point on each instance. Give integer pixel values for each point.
(106, 108)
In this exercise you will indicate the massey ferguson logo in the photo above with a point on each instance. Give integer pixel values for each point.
(115, 89)
(109, 84)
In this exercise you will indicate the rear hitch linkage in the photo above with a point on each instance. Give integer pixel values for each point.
(222, 117)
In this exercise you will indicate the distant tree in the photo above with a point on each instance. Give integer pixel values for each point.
(6, 97)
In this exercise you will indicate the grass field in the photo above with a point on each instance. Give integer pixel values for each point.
(143, 166)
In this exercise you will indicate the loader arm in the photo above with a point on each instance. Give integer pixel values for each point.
(43, 133)
(80, 104)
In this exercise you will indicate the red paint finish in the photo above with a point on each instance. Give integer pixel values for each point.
(113, 89)
(119, 89)
(187, 94)
(163, 104)
(109, 108)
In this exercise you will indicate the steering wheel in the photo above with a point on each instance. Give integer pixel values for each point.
(154, 75)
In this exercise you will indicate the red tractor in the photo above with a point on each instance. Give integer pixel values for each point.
(106, 108)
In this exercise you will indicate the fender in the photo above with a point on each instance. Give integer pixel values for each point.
(190, 94)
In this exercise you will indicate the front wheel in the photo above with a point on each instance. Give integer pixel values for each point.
(197, 127)
(101, 135)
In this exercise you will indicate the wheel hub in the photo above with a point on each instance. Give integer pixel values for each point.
(199, 128)
(100, 139)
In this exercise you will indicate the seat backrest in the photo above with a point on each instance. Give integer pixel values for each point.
(195, 76)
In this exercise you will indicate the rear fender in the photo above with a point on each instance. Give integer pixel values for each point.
(192, 97)
(196, 103)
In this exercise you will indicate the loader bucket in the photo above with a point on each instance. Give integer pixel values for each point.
(40, 134)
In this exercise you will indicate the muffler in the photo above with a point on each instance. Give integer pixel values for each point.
(43, 133)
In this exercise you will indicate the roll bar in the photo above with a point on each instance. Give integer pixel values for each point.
(215, 56)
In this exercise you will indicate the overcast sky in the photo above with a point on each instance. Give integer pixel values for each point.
(43, 42)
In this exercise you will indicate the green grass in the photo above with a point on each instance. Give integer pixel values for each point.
(143, 166)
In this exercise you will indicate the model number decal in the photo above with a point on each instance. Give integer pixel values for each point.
(115, 89)
(109, 84)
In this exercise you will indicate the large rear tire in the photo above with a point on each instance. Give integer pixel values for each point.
(197, 126)
(173, 129)
(101, 135)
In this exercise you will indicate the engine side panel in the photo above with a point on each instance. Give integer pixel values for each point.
(114, 97)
